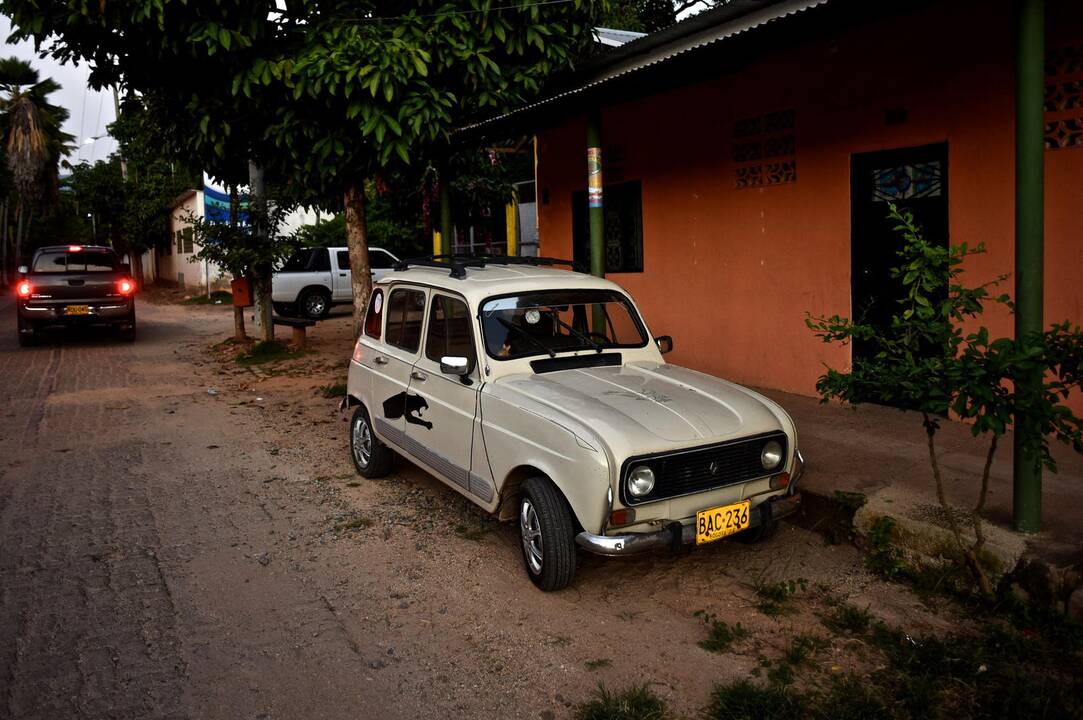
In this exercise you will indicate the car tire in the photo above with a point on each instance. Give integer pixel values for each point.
(284, 309)
(127, 332)
(758, 534)
(547, 535)
(314, 304)
(26, 339)
(371, 458)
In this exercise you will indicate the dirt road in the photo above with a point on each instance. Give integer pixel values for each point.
(166, 551)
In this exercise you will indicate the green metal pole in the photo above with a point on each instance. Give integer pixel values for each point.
(594, 195)
(596, 209)
(1029, 238)
(446, 228)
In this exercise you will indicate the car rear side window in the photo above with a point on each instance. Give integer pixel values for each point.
(405, 311)
(298, 262)
(379, 260)
(449, 331)
(375, 317)
(321, 260)
(65, 261)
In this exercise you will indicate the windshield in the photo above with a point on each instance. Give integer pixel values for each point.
(64, 261)
(555, 321)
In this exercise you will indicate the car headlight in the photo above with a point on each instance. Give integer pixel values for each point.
(640, 481)
(771, 455)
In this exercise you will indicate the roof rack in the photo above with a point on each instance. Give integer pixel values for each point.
(457, 264)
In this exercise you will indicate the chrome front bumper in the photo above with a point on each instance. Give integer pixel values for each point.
(676, 533)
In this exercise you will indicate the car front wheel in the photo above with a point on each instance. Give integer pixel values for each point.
(371, 457)
(548, 535)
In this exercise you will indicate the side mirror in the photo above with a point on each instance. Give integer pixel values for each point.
(664, 343)
(23, 269)
(454, 365)
(126, 268)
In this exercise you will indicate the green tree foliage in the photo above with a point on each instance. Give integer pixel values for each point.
(33, 144)
(937, 359)
(329, 92)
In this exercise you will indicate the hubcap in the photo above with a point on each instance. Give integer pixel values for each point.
(361, 441)
(530, 528)
(315, 305)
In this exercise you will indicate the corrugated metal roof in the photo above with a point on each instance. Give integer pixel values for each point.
(699, 31)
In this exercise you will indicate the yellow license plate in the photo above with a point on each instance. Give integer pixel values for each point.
(717, 523)
(77, 310)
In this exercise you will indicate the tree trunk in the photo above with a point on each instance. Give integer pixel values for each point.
(358, 243)
(238, 312)
(19, 235)
(262, 273)
(4, 245)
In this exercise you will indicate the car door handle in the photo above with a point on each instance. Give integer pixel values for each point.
(380, 360)
(342, 274)
(419, 376)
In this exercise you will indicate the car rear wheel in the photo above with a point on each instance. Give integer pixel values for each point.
(314, 304)
(547, 532)
(371, 458)
(127, 331)
(27, 335)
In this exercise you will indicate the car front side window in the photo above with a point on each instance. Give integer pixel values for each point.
(450, 332)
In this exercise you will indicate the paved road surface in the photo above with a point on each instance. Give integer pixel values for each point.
(127, 584)
(167, 553)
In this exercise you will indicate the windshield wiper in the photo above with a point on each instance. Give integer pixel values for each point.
(524, 333)
(579, 334)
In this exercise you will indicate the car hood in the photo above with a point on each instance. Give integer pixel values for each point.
(647, 407)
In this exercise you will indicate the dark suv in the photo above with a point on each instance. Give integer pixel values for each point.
(75, 285)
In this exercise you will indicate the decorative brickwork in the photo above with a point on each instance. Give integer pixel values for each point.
(765, 149)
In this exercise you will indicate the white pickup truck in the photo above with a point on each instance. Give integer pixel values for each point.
(314, 279)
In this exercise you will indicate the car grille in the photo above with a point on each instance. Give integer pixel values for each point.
(706, 468)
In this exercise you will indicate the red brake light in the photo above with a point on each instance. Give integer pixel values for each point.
(24, 288)
(74, 248)
(125, 287)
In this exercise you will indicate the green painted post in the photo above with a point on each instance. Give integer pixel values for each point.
(446, 228)
(594, 194)
(595, 209)
(1029, 238)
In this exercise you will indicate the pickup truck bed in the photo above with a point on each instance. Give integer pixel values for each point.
(72, 285)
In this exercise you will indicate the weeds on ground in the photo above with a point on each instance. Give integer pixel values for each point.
(222, 297)
(265, 351)
(775, 599)
(744, 699)
(354, 523)
(720, 634)
(637, 703)
(332, 390)
(472, 533)
(847, 618)
(598, 663)
(797, 653)
(884, 557)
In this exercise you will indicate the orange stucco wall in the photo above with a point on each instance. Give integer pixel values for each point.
(730, 273)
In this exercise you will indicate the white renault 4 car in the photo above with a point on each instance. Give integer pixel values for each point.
(540, 395)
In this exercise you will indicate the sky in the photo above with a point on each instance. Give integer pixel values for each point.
(91, 111)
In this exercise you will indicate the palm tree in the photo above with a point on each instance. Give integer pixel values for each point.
(33, 141)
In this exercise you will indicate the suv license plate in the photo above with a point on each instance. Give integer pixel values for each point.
(717, 523)
(77, 310)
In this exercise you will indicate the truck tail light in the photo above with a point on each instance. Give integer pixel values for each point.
(125, 286)
(358, 352)
(75, 248)
(24, 288)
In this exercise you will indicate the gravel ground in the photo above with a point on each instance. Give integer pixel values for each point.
(169, 551)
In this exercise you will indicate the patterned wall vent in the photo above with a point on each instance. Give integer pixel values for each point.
(765, 150)
(1064, 98)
